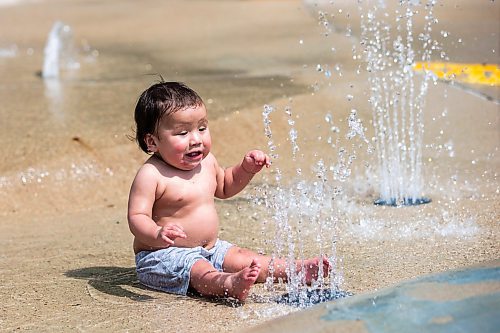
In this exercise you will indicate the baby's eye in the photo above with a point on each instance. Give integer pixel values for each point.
(182, 133)
(202, 128)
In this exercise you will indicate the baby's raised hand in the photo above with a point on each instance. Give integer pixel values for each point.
(254, 161)
(167, 234)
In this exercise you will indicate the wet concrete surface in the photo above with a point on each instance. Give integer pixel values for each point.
(68, 163)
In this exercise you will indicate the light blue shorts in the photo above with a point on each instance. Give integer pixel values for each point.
(169, 269)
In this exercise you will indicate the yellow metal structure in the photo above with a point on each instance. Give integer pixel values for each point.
(487, 74)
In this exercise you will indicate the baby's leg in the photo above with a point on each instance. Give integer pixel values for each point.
(237, 258)
(210, 282)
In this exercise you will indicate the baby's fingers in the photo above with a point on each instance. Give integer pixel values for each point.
(258, 157)
(174, 231)
(263, 160)
(166, 239)
(267, 161)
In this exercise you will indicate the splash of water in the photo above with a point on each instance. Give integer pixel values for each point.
(303, 212)
(397, 96)
(59, 52)
(8, 52)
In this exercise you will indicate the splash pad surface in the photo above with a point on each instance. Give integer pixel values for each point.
(64, 182)
(465, 299)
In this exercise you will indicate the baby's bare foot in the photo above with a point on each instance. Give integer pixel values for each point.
(312, 268)
(240, 283)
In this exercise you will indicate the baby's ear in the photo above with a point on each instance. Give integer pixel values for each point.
(150, 143)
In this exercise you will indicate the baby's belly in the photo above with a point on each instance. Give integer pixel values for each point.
(200, 232)
(201, 227)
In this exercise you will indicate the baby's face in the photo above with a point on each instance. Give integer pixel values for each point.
(183, 139)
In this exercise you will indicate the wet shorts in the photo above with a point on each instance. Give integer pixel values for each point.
(169, 269)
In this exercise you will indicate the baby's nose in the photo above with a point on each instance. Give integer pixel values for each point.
(195, 139)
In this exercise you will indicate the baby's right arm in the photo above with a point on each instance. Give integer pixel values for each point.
(140, 207)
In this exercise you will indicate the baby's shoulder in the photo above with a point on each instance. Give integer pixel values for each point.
(150, 166)
(148, 171)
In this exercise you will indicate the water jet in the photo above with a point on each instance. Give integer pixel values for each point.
(59, 53)
(397, 95)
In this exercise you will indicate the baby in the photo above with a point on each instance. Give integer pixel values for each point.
(171, 209)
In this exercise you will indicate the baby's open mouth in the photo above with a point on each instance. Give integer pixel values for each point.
(194, 154)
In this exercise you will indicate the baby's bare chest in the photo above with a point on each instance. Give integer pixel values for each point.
(177, 192)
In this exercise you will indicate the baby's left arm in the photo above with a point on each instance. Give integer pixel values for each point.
(232, 180)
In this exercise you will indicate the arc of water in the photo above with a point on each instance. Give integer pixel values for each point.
(52, 52)
(299, 209)
(396, 106)
(59, 51)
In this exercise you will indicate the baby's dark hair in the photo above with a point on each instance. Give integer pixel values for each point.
(159, 100)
